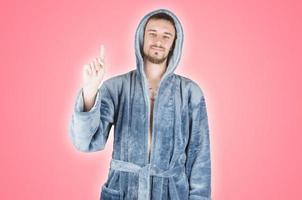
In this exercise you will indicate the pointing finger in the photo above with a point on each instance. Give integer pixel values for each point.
(100, 62)
(102, 52)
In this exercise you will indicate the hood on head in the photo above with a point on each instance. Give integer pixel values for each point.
(139, 39)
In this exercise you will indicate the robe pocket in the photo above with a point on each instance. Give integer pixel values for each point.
(110, 194)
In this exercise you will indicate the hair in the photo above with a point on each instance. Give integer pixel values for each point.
(168, 18)
(162, 16)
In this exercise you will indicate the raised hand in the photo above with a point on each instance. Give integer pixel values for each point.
(93, 73)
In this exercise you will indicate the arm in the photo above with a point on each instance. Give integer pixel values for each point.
(198, 165)
(89, 130)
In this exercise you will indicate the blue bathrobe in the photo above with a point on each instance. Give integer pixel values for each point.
(180, 166)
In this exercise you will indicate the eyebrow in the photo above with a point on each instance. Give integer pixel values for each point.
(167, 33)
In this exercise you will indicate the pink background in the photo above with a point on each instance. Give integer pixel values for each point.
(245, 55)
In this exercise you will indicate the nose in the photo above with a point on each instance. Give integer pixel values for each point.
(158, 41)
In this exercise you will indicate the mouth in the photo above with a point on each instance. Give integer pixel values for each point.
(157, 48)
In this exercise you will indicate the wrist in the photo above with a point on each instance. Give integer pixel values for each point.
(90, 91)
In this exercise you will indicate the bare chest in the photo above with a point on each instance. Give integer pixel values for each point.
(152, 93)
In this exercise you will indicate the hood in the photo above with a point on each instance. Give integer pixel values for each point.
(139, 38)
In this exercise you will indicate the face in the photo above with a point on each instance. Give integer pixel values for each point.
(158, 40)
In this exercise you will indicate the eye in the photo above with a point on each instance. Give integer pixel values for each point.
(166, 37)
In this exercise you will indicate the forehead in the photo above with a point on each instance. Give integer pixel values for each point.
(160, 25)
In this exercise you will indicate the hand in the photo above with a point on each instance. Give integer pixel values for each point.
(93, 74)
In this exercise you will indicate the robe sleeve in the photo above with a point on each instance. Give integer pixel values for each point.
(89, 130)
(198, 164)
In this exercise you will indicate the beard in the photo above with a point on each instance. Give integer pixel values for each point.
(154, 59)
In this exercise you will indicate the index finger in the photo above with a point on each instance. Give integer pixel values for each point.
(102, 52)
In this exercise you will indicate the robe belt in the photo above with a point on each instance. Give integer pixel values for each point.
(144, 174)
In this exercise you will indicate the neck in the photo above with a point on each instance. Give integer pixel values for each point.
(154, 71)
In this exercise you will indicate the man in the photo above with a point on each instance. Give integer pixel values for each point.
(161, 135)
